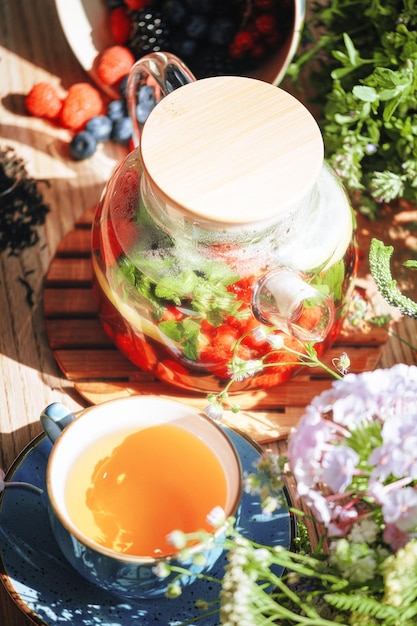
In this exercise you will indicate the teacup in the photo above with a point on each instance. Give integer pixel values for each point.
(123, 475)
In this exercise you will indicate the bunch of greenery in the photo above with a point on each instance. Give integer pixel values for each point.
(359, 60)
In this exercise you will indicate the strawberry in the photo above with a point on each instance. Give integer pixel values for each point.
(114, 63)
(120, 26)
(43, 101)
(81, 104)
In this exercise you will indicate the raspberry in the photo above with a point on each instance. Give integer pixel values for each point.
(266, 24)
(243, 41)
(114, 63)
(43, 101)
(120, 25)
(81, 104)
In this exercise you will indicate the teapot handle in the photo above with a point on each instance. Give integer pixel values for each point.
(282, 296)
(151, 78)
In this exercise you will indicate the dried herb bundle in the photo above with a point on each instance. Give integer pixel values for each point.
(22, 208)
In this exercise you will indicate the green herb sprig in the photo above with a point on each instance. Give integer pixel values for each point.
(379, 263)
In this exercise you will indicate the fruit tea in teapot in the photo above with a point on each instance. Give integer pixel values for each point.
(223, 241)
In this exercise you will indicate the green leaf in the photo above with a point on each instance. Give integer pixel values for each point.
(185, 333)
(172, 329)
(177, 288)
(367, 94)
(351, 50)
(332, 280)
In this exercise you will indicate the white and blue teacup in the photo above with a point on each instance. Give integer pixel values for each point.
(126, 575)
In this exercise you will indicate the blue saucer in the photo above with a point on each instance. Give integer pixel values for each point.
(49, 591)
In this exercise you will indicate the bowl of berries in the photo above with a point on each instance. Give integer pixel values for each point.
(256, 38)
(253, 38)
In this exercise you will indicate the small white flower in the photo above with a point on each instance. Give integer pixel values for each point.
(260, 333)
(178, 539)
(214, 411)
(216, 517)
(199, 559)
(342, 363)
(174, 590)
(202, 605)
(276, 341)
(263, 556)
(364, 531)
(161, 570)
(269, 505)
(242, 369)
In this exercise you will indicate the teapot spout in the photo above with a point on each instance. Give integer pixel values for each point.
(282, 298)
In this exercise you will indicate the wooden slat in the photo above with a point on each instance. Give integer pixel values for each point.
(76, 333)
(95, 364)
(69, 272)
(77, 243)
(366, 336)
(67, 302)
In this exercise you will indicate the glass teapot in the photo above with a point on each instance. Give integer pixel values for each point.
(223, 245)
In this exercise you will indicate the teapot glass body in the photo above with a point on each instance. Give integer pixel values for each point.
(198, 296)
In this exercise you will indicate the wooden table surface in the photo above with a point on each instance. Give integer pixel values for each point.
(32, 49)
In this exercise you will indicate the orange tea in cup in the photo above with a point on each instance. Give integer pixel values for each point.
(128, 490)
(123, 474)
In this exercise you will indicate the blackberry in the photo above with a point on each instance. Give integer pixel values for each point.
(175, 11)
(203, 7)
(151, 32)
(197, 27)
(222, 30)
(184, 47)
(233, 9)
(214, 60)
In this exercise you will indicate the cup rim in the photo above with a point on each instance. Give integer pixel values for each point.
(73, 530)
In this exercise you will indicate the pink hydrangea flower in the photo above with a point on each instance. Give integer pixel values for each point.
(354, 453)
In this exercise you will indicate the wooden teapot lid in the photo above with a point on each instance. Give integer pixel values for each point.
(232, 150)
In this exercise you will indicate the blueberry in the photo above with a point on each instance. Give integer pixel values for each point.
(222, 31)
(116, 109)
(100, 127)
(197, 26)
(82, 146)
(184, 47)
(142, 112)
(122, 130)
(175, 10)
(147, 95)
